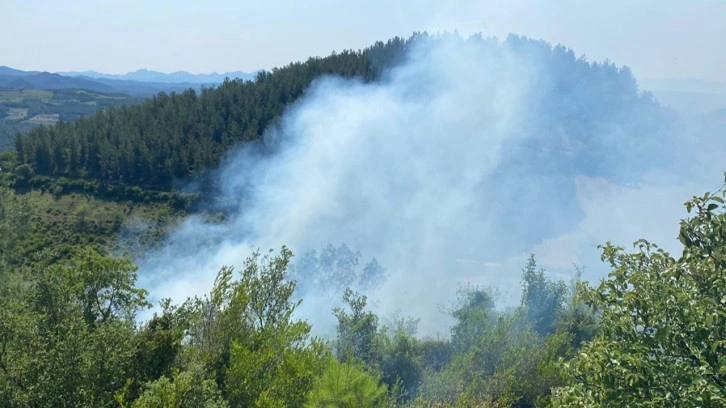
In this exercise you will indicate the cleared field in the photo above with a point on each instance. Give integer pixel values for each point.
(45, 119)
(8, 96)
(15, 114)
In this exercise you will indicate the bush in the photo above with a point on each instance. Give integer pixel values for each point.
(344, 385)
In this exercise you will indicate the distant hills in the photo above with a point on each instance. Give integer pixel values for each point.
(14, 79)
(141, 83)
(692, 97)
(32, 98)
(145, 75)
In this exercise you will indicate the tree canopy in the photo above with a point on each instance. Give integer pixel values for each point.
(662, 338)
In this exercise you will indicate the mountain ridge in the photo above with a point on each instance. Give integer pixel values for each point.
(147, 75)
(142, 82)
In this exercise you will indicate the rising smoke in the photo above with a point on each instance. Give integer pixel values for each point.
(450, 169)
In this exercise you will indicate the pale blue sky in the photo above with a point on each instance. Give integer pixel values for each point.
(666, 38)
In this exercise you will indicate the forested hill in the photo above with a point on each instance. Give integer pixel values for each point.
(174, 137)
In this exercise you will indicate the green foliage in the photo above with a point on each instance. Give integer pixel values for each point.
(23, 110)
(158, 345)
(41, 228)
(542, 298)
(663, 326)
(245, 331)
(65, 338)
(474, 314)
(185, 389)
(344, 385)
(24, 174)
(479, 338)
(106, 288)
(402, 359)
(71, 333)
(500, 358)
(358, 337)
(576, 318)
(170, 138)
(394, 352)
(14, 217)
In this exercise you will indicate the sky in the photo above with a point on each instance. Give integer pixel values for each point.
(656, 39)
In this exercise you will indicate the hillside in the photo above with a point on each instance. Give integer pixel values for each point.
(173, 137)
(31, 98)
(24, 109)
(140, 83)
(580, 119)
(114, 217)
(47, 80)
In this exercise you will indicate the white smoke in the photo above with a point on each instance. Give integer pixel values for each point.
(406, 170)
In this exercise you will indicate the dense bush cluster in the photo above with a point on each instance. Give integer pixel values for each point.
(650, 334)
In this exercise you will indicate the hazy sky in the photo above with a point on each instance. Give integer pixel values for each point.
(665, 38)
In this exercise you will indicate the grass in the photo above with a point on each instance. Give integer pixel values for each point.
(47, 221)
(58, 223)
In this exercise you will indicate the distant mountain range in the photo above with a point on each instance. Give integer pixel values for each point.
(145, 75)
(139, 83)
(14, 79)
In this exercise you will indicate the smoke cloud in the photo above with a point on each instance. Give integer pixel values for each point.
(450, 169)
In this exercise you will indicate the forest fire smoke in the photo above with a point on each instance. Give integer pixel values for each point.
(469, 149)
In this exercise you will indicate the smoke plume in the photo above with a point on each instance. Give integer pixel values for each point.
(449, 169)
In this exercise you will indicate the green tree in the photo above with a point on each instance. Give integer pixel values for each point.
(358, 338)
(247, 335)
(346, 385)
(542, 298)
(67, 340)
(663, 329)
(182, 389)
(158, 346)
(402, 358)
(475, 315)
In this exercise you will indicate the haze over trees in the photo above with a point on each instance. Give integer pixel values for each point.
(173, 137)
(76, 195)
